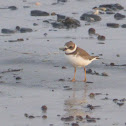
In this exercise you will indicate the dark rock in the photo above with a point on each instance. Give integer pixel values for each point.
(120, 104)
(39, 13)
(26, 115)
(89, 71)
(70, 118)
(60, 18)
(44, 108)
(112, 64)
(61, 1)
(58, 25)
(101, 37)
(90, 17)
(113, 25)
(71, 23)
(119, 16)
(66, 23)
(35, 24)
(91, 31)
(123, 26)
(24, 30)
(44, 117)
(63, 67)
(31, 117)
(92, 95)
(53, 13)
(74, 124)
(61, 80)
(90, 106)
(79, 118)
(110, 12)
(113, 6)
(104, 74)
(7, 31)
(18, 78)
(12, 7)
(118, 55)
(115, 100)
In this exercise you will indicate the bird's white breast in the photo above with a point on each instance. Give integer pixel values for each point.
(77, 61)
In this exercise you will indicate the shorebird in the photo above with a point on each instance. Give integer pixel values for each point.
(77, 57)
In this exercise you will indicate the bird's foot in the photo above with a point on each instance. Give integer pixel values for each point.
(73, 80)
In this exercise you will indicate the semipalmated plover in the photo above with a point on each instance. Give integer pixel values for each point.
(77, 57)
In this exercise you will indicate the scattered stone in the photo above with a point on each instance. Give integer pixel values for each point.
(113, 25)
(63, 67)
(44, 117)
(53, 13)
(104, 74)
(79, 118)
(89, 71)
(31, 117)
(18, 78)
(119, 16)
(39, 13)
(61, 79)
(61, 1)
(12, 7)
(112, 64)
(90, 17)
(120, 104)
(70, 118)
(91, 95)
(123, 26)
(115, 100)
(91, 31)
(26, 115)
(35, 24)
(60, 17)
(74, 124)
(110, 12)
(7, 31)
(91, 107)
(24, 30)
(113, 7)
(118, 55)
(101, 37)
(44, 108)
(18, 40)
(89, 119)
(12, 70)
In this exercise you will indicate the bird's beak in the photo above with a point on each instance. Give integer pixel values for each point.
(63, 49)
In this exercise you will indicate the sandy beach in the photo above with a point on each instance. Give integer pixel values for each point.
(34, 72)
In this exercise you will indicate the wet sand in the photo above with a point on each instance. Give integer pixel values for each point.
(32, 75)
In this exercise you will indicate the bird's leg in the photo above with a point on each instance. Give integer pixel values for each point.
(73, 80)
(85, 75)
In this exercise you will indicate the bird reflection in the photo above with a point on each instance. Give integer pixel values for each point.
(74, 105)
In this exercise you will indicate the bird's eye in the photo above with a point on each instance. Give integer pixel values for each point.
(70, 47)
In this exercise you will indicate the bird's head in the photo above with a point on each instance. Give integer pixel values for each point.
(69, 47)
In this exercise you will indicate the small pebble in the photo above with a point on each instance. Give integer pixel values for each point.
(61, 79)
(44, 117)
(18, 78)
(44, 108)
(104, 74)
(112, 64)
(70, 118)
(78, 117)
(31, 117)
(91, 95)
(63, 67)
(118, 55)
(74, 124)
